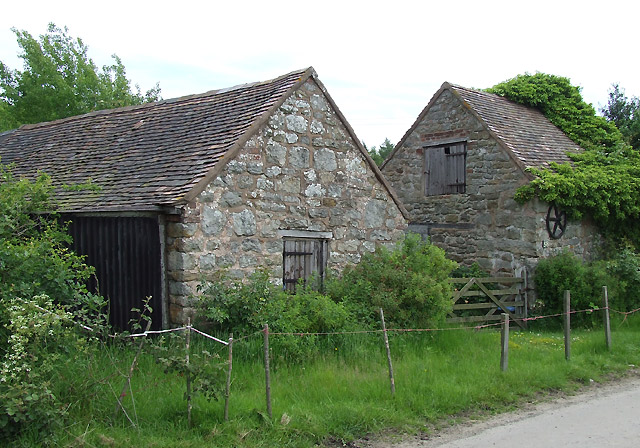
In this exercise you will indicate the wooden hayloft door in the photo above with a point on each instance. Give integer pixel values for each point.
(444, 169)
(304, 258)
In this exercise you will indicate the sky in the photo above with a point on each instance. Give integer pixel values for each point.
(380, 61)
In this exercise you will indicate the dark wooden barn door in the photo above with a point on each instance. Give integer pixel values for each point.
(302, 259)
(126, 254)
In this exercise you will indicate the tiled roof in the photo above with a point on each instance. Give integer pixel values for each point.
(143, 157)
(525, 131)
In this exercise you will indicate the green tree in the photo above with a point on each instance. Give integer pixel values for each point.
(380, 153)
(625, 114)
(59, 80)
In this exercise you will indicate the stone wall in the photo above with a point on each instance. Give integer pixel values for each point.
(300, 171)
(484, 224)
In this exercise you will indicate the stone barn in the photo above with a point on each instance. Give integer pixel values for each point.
(263, 174)
(456, 171)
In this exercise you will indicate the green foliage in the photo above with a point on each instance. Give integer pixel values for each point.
(34, 246)
(380, 153)
(563, 105)
(565, 271)
(603, 181)
(204, 368)
(605, 187)
(37, 269)
(409, 283)
(60, 80)
(42, 335)
(625, 267)
(243, 307)
(625, 114)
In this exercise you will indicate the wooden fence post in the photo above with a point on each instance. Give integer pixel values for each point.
(607, 321)
(504, 340)
(266, 370)
(228, 389)
(386, 345)
(567, 325)
(188, 375)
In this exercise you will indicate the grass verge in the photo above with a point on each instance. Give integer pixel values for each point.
(339, 394)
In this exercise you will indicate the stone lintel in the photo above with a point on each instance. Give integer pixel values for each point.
(305, 234)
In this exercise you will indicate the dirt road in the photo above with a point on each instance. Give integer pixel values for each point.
(601, 416)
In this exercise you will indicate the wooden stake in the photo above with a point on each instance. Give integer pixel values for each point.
(228, 390)
(188, 375)
(127, 384)
(504, 343)
(607, 321)
(567, 325)
(386, 346)
(266, 370)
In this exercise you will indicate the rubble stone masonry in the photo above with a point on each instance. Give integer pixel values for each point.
(484, 224)
(300, 171)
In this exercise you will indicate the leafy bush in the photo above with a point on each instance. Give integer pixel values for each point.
(409, 283)
(565, 271)
(42, 292)
(625, 267)
(244, 307)
(42, 337)
(34, 250)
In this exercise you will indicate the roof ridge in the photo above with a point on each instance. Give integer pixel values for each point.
(163, 101)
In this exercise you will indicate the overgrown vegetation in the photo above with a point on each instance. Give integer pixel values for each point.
(409, 283)
(555, 275)
(42, 298)
(603, 181)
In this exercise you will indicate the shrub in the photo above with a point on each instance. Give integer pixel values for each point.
(409, 283)
(34, 250)
(243, 307)
(625, 266)
(42, 337)
(565, 271)
(42, 292)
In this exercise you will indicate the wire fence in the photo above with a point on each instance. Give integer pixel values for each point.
(504, 324)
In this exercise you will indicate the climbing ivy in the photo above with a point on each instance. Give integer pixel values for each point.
(563, 105)
(602, 182)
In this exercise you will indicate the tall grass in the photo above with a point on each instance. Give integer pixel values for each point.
(340, 392)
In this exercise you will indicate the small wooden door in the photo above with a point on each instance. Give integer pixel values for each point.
(303, 258)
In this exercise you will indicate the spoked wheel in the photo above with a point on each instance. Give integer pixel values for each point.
(556, 221)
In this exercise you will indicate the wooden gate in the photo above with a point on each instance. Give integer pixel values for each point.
(485, 299)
